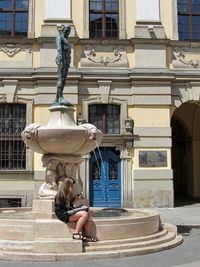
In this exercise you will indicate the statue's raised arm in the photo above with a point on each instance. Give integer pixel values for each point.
(63, 60)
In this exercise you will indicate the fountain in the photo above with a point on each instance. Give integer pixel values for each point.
(36, 234)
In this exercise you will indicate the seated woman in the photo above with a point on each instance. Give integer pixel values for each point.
(66, 212)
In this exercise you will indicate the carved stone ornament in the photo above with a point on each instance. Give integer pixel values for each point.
(181, 56)
(91, 55)
(129, 124)
(12, 49)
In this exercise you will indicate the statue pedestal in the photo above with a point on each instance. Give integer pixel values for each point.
(42, 209)
(49, 235)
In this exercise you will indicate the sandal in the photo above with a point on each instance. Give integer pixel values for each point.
(78, 236)
(90, 239)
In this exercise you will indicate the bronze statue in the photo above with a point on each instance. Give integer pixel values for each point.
(63, 60)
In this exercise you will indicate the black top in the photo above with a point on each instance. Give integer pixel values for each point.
(61, 211)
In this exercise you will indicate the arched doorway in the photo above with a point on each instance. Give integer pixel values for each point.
(179, 158)
(185, 125)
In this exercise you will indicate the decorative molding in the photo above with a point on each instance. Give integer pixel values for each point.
(91, 55)
(98, 100)
(12, 49)
(125, 152)
(181, 56)
(11, 89)
(2, 98)
(129, 124)
(104, 87)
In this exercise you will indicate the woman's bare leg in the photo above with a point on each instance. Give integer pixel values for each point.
(81, 218)
(88, 226)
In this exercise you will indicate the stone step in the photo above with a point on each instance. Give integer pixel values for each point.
(160, 240)
(17, 229)
(63, 245)
(31, 256)
(13, 245)
(54, 245)
(128, 240)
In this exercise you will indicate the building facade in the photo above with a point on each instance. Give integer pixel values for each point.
(134, 74)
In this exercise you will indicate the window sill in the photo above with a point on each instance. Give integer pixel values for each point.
(16, 39)
(16, 175)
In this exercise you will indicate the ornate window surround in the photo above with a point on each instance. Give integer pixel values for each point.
(100, 100)
(122, 19)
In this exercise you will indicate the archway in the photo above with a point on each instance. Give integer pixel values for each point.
(185, 125)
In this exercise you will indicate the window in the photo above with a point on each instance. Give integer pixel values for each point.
(105, 118)
(10, 202)
(14, 17)
(12, 148)
(104, 18)
(189, 19)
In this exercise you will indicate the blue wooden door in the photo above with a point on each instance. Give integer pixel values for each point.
(105, 179)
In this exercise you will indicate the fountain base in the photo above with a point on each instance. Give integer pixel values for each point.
(39, 236)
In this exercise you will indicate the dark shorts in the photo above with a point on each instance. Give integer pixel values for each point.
(62, 214)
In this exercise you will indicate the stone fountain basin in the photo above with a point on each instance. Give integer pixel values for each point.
(132, 224)
(68, 140)
(64, 140)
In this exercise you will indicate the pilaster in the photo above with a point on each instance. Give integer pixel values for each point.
(126, 174)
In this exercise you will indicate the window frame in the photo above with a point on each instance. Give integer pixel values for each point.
(190, 14)
(11, 138)
(103, 12)
(13, 10)
(121, 20)
(104, 115)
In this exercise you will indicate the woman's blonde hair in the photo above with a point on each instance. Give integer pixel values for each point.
(65, 192)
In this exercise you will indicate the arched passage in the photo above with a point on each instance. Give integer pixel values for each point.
(185, 125)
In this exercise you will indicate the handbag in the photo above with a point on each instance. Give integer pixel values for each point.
(80, 200)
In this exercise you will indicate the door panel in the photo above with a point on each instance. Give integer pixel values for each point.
(105, 183)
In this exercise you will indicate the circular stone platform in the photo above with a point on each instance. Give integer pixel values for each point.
(47, 239)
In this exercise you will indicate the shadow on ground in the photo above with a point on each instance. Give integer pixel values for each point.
(186, 230)
(181, 201)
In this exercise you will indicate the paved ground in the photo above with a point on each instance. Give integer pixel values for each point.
(187, 218)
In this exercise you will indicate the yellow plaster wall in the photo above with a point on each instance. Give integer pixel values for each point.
(39, 16)
(77, 55)
(130, 17)
(166, 13)
(41, 116)
(20, 56)
(169, 55)
(36, 55)
(149, 116)
(78, 13)
(130, 56)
